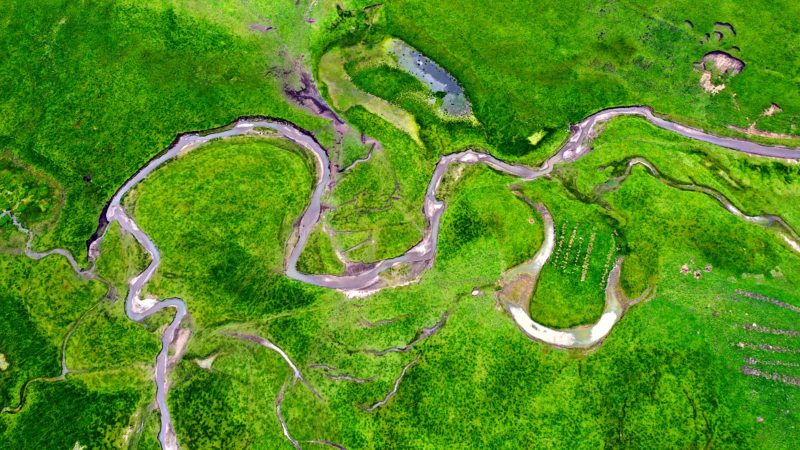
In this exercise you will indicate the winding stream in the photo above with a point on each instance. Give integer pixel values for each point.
(367, 279)
(788, 234)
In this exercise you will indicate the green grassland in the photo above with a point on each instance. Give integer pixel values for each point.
(97, 89)
(237, 396)
(41, 302)
(756, 186)
(159, 68)
(121, 257)
(669, 373)
(47, 309)
(649, 233)
(107, 339)
(530, 66)
(321, 333)
(120, 80)
(381, 199)
(319, 256)
(571, 290)
(30, 196)
(78, 411)
(344, 94)
(221, 227)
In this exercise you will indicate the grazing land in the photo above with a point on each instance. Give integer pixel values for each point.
(255, 224)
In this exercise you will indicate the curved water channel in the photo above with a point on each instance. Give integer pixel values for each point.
(366, 279)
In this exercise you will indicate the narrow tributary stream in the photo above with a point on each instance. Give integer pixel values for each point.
(367, 279)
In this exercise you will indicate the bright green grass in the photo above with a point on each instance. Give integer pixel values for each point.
(668, 374)
(700, 231)
(318, 256)
(30, 196)
(652, 374)
(78, 411)
(479, 354)
(388, 82)
(221, 216)
(108, 339)
(480, 203)
(571, 287)
(754, 185)
(344, 94)
(381, 200)
(121, 80)
(121, 257)
(242, 386)
(40, 302)
(531, 66)
(310, 334)
(751, 183)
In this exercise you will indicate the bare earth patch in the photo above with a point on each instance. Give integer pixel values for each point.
(708, 86)
(717, 63)
(722, 62)
(747, 370)
(3, 362)
(181, 339)
(206, 363)
(753, 131)
(519, 291)
(772, 110)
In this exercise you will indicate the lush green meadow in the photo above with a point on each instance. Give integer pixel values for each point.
(529, 66)
(98, 89)
(221, 216)
(46, 310)
(669, 373)
(94, 90)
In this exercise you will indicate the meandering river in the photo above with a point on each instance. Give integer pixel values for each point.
(420, 257)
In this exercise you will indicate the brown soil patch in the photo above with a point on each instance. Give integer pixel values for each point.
(260, 28)
(776, 331)
(764, 298)
(519, 291)
(717, 63)
(722, 62)
(772, 110)
(708, 86)
(747, 370)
